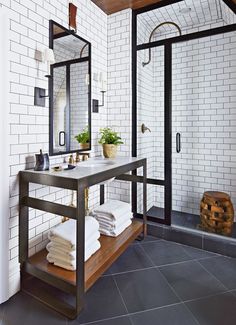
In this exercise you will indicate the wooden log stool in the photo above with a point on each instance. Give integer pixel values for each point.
(217, 213)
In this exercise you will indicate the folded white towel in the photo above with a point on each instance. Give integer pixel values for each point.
(65, 233)
(59, 255)
(116, 231)
(113, 208)
(111, 227)
(71, 264)
(113, 222)
(55, 244)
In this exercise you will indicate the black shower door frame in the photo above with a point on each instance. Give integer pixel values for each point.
(167, 44)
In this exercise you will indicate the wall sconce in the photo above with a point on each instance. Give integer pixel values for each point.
(103, 86)
(39, 96)
(48, 58)
(40, 93)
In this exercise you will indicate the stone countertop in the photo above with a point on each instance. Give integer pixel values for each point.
(103, 168)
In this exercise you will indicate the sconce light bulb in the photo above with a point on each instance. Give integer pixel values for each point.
(87, 79)
(49, 59)
(103, 81)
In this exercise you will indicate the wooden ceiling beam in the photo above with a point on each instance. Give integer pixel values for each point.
(112, 6)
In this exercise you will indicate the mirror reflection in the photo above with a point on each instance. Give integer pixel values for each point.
(70, 89)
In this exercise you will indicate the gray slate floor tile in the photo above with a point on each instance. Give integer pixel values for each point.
(223, 268)
(102, 301)
(163, 252)
(197, 253)
(145, 289)
(217, 310)
(171, 315)
(234, 292)
(191, 281)
(21, 309)
(133, 258)
(115, 321)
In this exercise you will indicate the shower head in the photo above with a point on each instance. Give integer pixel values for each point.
(152, 33)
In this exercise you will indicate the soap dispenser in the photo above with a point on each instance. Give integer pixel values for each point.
(42, 161)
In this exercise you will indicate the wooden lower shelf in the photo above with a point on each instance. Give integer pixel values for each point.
(111, 249)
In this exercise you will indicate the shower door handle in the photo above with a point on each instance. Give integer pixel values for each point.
(178, 142)
(62, 138)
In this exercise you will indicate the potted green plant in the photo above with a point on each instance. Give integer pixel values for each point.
(83, 138)
(109, 140)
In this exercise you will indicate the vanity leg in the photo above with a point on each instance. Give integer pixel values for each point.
(23, 221)
(145, 198)
(80, 288)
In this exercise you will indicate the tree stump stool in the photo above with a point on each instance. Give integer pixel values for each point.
(217, 213)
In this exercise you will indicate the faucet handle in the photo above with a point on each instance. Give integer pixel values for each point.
(77, 159)
(85, 156)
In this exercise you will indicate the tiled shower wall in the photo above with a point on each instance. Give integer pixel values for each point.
(29, 31)
(146, 115)
(204, 113)
(204, 85)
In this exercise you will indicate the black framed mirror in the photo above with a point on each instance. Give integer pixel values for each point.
(69, 92)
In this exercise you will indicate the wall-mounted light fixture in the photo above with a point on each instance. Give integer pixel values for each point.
(103, 86)
(48, 58)
(39, 96)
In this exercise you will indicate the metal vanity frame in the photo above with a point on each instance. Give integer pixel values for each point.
(77, 213)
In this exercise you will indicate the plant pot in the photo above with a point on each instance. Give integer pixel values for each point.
(109, 150)
(84, 146)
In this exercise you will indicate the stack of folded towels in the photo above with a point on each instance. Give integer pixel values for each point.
(113, 217)
(62, 246)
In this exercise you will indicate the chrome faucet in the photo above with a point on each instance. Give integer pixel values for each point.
(144, 128)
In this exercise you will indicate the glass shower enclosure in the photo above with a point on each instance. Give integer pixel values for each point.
(184, 120)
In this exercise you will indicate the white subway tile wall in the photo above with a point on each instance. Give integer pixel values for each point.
(204, 83)
(111, 53)
(29, 125)
(119, 98)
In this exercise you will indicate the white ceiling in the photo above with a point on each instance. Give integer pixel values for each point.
(202, 12)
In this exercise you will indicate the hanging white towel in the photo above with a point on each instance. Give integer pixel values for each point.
(65, 234)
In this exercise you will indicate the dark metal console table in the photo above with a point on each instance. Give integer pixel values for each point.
(86, 274)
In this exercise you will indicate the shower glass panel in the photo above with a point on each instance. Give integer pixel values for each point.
(150, 127)
(204, 116)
